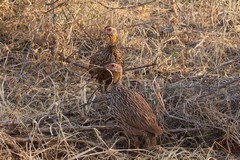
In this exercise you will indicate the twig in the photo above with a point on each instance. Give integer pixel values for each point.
(184, 130)
(74, 63)
(100, 128)
(98, 99)
(144, 66)
(61, 4)
(191, 121)
(237, 59)
(65, 129)
(28, 120)
(127, 69)
(51, 3)
(52, 140)
(79, 65)
(25, 61)
(15, 122)
(125, 7)
(218, 88)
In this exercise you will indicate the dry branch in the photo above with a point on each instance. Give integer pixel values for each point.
(140, 67)
(126, 7)
(76, 129)
(52, 140)
(219, 87)
(55, 7)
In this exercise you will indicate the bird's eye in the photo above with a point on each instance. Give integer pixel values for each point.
(111, 65)
(109, 29)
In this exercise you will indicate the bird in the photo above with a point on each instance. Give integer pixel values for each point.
(132, 112)
(110, 54)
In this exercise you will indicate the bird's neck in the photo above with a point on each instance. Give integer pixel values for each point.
(113, 40)
(117, 78)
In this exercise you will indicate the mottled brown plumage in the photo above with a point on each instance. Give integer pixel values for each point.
(131, 110)
(110, 54)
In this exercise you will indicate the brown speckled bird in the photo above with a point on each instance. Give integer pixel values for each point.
(109, 55)
(131, 110)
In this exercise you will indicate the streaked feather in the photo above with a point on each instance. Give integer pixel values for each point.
(112, 54)
(133, 110)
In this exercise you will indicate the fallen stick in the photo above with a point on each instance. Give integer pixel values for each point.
(100, 128)
(139, 67)
(65, 129)
(219, 87)
(52, 140)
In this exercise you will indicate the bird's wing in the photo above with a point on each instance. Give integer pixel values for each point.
(97, 58)
(137, 112)
(118, 56)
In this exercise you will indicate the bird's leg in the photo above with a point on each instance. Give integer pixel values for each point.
(101, 88)
(151, 140)
(135, 142)
(105, 88)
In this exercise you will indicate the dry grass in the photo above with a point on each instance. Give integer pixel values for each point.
(46, 92)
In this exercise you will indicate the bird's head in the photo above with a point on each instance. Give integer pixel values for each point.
(112, 34)
(110, 30)
(116, 71)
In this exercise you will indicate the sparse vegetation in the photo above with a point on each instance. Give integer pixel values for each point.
(46, 92)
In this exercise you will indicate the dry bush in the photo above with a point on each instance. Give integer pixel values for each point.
(49, 107)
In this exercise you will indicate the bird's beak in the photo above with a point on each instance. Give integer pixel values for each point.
(105, 67)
